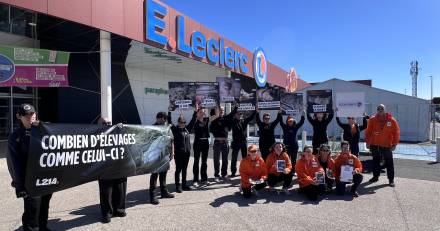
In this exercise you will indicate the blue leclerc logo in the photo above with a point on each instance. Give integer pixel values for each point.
(260, 67)
(7, 68)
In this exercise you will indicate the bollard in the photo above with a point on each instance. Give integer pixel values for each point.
(438, 149)
(304, 138)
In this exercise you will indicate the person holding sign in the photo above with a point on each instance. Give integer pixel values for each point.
(382, 136)
(182, 151)
(161, 119)
(267, 132)
(290, 130)
(220, 128)
(36, 208)
(327, 163)
(253, 172)
(352, 132)
(279, 167)
(239, 138)
(347, 169)
(112, 192)
(311, 176)
(319, 122)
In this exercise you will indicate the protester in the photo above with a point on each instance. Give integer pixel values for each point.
(161, 119)
(307, 168)
(36, 208)
(239, 138)
(327, 163)
(267, 132)
(382, 136)
(220, 128)
(279, 167)
(345, 158)
(112, 192)
(290, 130)
(253, 172)
(352, 132)
(182, 151)
(320, 121)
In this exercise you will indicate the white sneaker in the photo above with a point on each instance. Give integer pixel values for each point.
(217, 180)
(286, 191)
(196, 184)
(294, 173)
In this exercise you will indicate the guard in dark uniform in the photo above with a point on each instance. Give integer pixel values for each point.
(36, 208)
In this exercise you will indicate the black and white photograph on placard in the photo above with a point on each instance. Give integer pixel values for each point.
(268, 98)
(291, 103)
(248, 97)
(229, 89)
(181, 95)
(319, 101)
(206, 94)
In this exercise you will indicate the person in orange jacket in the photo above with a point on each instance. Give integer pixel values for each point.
(306, 169)
(327, 163)
(253, 172)
(382, 136)
(279, 167)
(343, 160)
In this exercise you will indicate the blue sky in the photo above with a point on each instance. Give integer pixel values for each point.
(323, 39)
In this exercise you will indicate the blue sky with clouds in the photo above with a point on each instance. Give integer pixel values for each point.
(322, 39)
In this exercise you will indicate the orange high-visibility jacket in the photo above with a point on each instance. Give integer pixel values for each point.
(271, 163)
(252, 169)
(305, 170)
(346, 159)
(386, 136)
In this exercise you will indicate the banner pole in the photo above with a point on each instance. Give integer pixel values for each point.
(106, 74)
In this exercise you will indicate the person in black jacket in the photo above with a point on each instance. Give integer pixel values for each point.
(352, 132)
(182, 151)
(161, 119)
(267, 132)
(239, 138)
(112, 192)
(290, 130)
(219, 129)
(36, 208)
(319, 123)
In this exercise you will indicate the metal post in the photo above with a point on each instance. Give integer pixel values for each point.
(304, 138)
(438, 149)
(106, 74)
(433, 120)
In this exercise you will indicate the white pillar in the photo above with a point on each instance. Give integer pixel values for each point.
(106, 74)
(438, 150)
(304, 138)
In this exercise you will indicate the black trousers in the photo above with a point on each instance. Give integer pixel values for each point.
(181, 159)
(316, 144)
(389, 163)
(162, 181)
(36, 212)
(235, 149)
(264, 149)
(357, 180)
(273, 179)
(112, 194)
(223, 148)
(292, 150)
(247, 192)
(354, 147)
(200, 147)
(311, 191)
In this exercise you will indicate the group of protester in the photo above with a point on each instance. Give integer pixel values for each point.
(276, 163)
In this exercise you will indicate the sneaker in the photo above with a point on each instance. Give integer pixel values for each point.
(374, 179)
(154, 201)
(391, 184)
(166, 194)
(106, 219)
(186, 188)
(196, 184)
(354, 194)
(205, 183)
(178, 189)
(232, 175)
(120, 214)
(217, 179)
(286, 191)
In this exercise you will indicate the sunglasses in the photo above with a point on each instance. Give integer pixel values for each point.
(325, 150)
(252, 151)
(266, 118)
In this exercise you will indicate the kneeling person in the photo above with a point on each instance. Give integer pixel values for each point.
(347, 161)
(307, 168)
(279, 167)
(253, 172)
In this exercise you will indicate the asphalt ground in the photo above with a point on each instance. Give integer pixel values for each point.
(414, 204)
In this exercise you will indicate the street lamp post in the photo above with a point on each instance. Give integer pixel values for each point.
(432, 112)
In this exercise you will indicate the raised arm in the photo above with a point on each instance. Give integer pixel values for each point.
(190, 126)
(249, 118)
(169, 119)
(277, 120)
(364, 123)
(329, 118)
(259, 123)
(340, 123)
(310, 119)
(301, 122)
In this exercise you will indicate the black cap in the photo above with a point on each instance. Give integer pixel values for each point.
(161, 115)
(26, 109)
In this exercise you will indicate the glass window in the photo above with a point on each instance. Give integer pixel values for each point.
(21, 22)
(4, 18)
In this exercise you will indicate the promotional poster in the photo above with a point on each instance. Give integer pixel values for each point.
(181, 95)
(62, 156)
(319, 101)
(268, 98)
(292, 103)
(350, 104)
(206, 94)
(229, 89)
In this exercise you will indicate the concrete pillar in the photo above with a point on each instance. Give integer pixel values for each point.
(438, 149)
(106, 74)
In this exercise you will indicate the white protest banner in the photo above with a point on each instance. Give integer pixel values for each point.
(350, 104)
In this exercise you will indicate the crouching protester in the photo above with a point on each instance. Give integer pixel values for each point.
(279, 167)
(327, 163)
(347, 170)
(253, 172)
(36, 208)
(310, 174)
